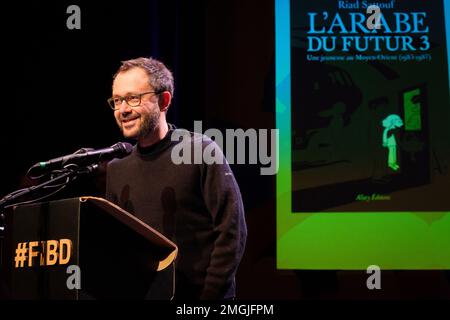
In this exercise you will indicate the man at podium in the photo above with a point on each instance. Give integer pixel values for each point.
(196, 205)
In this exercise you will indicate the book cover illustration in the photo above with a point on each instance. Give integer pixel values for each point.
(370, 110)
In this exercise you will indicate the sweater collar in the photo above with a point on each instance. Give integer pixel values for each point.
(158, 146)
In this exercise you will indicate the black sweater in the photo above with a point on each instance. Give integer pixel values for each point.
(198, 206)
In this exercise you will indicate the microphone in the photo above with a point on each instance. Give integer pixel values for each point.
(84, 156)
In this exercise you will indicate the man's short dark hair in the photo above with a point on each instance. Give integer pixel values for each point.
(160, 77)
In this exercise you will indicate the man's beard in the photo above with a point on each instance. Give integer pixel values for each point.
(149, 123)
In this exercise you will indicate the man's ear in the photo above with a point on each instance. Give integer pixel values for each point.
(164, 101)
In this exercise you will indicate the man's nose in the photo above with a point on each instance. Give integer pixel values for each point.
(124, 107)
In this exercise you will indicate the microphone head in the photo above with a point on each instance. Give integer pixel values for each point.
(124, 147)
(82, 157)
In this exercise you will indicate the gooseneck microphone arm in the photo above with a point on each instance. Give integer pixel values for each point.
(5, 202)
(10, 200)
(81, 157)
(63, 170)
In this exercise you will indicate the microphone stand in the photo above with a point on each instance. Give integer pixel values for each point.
(8, 200)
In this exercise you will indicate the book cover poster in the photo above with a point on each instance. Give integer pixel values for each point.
(370, 112)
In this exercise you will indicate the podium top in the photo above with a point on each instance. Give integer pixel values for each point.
(140, 227)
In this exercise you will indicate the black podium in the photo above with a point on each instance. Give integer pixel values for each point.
(84, 248)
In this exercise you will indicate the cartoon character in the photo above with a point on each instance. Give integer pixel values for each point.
(391, 122)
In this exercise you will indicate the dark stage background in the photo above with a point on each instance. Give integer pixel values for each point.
(222, 55)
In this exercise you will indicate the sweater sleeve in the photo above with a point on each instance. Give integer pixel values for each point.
(223, 200)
